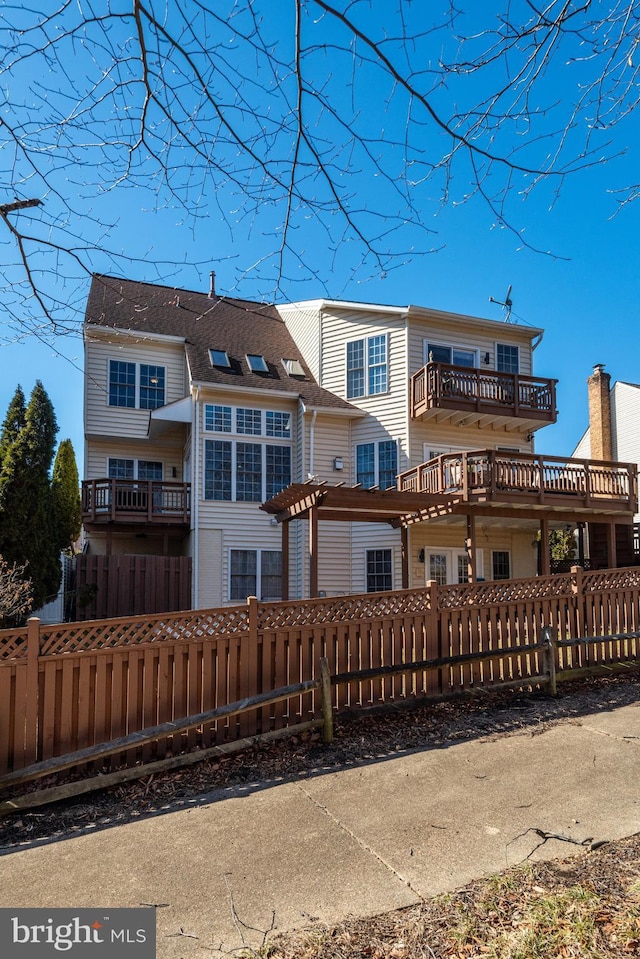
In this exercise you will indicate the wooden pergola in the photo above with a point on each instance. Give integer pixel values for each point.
(402, 509)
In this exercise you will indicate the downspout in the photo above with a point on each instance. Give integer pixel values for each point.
(195, 495)
(312, 430)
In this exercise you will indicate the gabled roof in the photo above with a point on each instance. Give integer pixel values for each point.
(237, 326)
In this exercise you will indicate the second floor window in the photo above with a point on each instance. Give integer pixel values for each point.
(136, 386)
(245, 472)
(439, 353)
(507, 360)
(367, 366)
(377, 464)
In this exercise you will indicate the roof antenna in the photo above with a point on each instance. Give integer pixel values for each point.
(212, 284)
(507, 305)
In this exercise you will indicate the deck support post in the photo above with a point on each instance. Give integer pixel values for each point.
(313, 552)
(404, 532)
(285, 560)
(472, 560)
(612, 554)
(545, 560)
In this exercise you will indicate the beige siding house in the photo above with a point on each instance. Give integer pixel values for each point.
(318, 448)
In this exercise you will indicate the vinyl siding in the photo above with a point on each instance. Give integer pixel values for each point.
(168, 452)
(104, 420)
(460, 438)
(304, 326)
(468, 336)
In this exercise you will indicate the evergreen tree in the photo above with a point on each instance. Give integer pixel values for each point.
(13, 423)
(26, 522)
(65, 493)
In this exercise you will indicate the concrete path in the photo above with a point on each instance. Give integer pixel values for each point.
(361, 841)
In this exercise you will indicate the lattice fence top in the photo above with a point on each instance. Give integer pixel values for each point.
(113, 633)
(13, 644)
(504, 591)
(597, 580)
(341, 609)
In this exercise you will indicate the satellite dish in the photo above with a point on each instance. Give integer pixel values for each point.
(506, 304)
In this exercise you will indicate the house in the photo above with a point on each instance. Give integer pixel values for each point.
(321, 447)
(612, 434)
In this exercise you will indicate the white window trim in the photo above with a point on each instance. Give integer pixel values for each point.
(452, 554)
(259, 550)
(233, 432)
(137, 364)
(370, 549)
(449, 345)
(262, 442)
(376, 458)
(366, 394)
(512, 346)
(136, 461)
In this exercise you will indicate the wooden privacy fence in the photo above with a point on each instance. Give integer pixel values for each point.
(68, 687)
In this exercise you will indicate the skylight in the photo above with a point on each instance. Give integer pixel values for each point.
(219, 358)
(257, 363)
(293, 367)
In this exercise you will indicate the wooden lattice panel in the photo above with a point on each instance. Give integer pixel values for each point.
(342, 609)
(13, 644)
(109, 633)
(503, 591)
(599, 580)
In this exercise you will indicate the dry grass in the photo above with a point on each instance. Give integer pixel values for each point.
(586, 907)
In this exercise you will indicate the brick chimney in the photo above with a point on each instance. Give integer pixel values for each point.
(599, 387)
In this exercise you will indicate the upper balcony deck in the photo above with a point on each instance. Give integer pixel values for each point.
(467, 396)
(135, 502)
(527, 480)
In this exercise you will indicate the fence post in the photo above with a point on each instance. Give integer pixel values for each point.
(550, 660)
(433, 641)
(31, 710)
(327, 707)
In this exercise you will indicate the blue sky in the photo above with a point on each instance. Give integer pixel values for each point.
(583, 292)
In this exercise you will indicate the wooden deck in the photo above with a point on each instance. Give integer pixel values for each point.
(127, 502)
(527, 479)
(444, 392)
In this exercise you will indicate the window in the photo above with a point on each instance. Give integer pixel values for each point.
(148, 470)
(217, 469)
(367, 368)
(366, 464)
(249, 421)
(249, 472)
(121, 469)
(293, 367)
(379, 570)
(278, 424)
(151, 387)
(377, 464)
(257, 363)
(219, 358)
(439, 353)
(134, 386)
(130, 469)
(447, 566)
(501, 564)
(438, 568)
(245, 472)
(217, 418)
(507, 358)
(122, 384)
(255, 572)
(241, 471)
(278, 469)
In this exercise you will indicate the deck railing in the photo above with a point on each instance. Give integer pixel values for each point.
(135, 501)
(504, 477)
(442, 385)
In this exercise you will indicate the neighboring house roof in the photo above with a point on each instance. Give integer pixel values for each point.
(218, 322)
